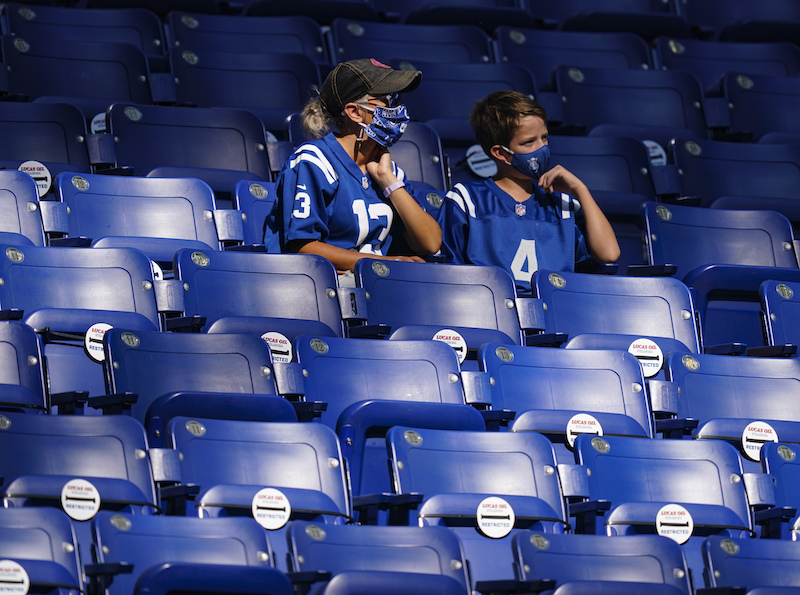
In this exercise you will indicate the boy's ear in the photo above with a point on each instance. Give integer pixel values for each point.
(500, 154)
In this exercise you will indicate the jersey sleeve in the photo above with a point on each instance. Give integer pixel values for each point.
(454, 221)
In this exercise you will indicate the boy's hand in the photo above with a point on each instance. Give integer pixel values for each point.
(560, 179)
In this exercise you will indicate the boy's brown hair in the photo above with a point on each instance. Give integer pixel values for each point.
(495, 118)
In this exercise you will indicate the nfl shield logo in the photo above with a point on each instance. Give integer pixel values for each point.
(519, 209)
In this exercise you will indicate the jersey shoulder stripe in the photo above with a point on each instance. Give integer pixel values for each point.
(312, 154)
(461, 196)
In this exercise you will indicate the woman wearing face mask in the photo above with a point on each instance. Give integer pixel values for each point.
(341, 196)
(524, 218)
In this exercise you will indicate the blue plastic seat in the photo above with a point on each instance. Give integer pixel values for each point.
(43, 543)
(757, 566)
(389, 560)
(779, 301)
(255, 200)
(162, 554)
(488, 14)
(420, 154)
(762, 104)
(247, 34)
(322, 11)
(160, 7)
(220, 146)
(779, 460)
(740, 20)
(158, 216)
(19, 206)
(23, 385)
(562, 392)
(583, 564)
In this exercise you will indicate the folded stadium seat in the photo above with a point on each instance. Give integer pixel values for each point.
(620, 175)
(220, 146)
(762, 104)
(469, 304)
(564, 392)
(23, 386)
(388, 560)
(682, 489)
(89, 75)
(255, 201)
(710, 60)
(446, 95)
(596, 564)
(751, 565)
(779, 460)
(724, 259)
(155, 376)
(484, 486)
(740, 20)
(80, 465)
(371, 385)
(158, 216)
(541, 51)
(746, 401)
(650, 105)
(39, 545)
(160, 554)
(71, 296)
(138, 27)
(322, 11)
(487, 14)
(160, 7)
(279, 295)
(247, 34)
(272, 86)
(645, 18)
(779, 311)
(43, 139)
(285, 472)
(20, 210)
(403, 41)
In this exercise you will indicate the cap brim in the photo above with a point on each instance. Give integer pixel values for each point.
(397, 81)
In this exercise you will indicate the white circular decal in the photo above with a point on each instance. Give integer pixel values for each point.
(675, 522)
(158, 272)
(649, 355)
(80, 499)
(13, 578)
(454, 340)
(495, 517)
(582, 423)
(98, 123)
(93, 341)
(754, 436)
(280, 346)
(39, 172)
(271, 508)
(480, 163)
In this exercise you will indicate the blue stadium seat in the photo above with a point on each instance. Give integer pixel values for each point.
(65, 293)
(752, 565)
(762, 104)
(51, 135)
(420, 301)
(710, 60)
(255, 200)
(247, 34)
(779, 460)
(584, 564)
(322, 11)
(397, 41)
(488, 14)
(682, 489)
(219, 146)
(388, 560)
(23, 386)
(158, 216)
(19, 206)
(740, 20)
(160, 7)
(43, 543)
(160, 554)
(371, 385)
(272, 86)
(645, 18)
(485, 486)
(563, 392)
(419, 153)
(779, 301)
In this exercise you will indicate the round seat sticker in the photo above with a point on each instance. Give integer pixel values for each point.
(271, 508)
(280, 346)
(93, 341)
(40, 174)
(495, 517)
(582, 423)
(754, 436)
(13, 578)
(454, 340)
(649, 355)
(675, 522)
(80, 499)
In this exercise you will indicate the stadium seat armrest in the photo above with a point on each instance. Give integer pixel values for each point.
(101, 149)
(69, 403)
(663, 396)
(302, 580)
(718, 113)
(651, 270)
(772, 351)
(114, 404)
(666, 180)
(169, 295)
(54, 216)
(369, 331)
(477, 388)
(186, 324)
(309, 410)
(726, 349)
(166, 465)
(101, 576)
(773, 521)
(247, 248)
(162, 88)
(352, 303)
(11, 314)
(504, 587)
(531, 313)
(546, 340)
(175, 497)
(289, 378)
(495, 419)
(721, 591)
(675, 428)
(70, 242)
(229, 225)
(586, 514)
(399, 505)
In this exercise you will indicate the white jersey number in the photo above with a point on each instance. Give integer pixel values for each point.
(363, 214)
(525, 263)
(303, 205)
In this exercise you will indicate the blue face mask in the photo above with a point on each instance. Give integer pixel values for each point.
(388, 124)
(532, 164)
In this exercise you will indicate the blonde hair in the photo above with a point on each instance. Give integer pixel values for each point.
(317, 121)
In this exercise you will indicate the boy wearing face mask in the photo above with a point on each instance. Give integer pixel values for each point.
(523, 219)
(340, 195)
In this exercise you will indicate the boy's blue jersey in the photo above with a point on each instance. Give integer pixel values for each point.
(323, 195)
(482, 224)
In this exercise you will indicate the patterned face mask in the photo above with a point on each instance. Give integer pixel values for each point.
(532, 164)
(388, 124)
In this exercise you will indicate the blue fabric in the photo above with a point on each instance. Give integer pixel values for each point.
(482, 224)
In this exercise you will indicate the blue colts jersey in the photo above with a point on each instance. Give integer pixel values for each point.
(484, 225)
(323, 195)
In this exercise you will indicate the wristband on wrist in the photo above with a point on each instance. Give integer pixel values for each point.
(391, 188)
